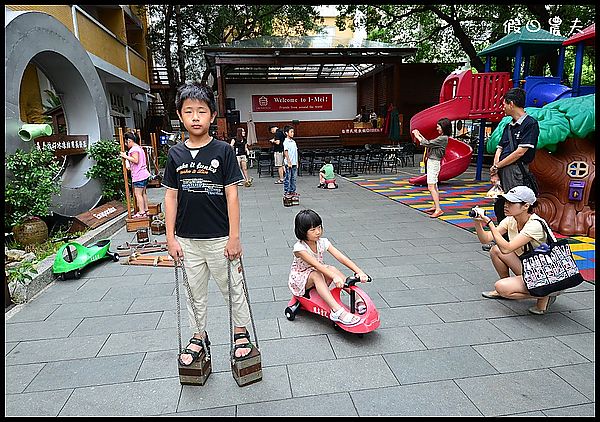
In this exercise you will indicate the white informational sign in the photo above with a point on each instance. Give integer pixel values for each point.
(175, 124)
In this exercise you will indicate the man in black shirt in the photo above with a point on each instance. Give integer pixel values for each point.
(525, 131)
(277, 142)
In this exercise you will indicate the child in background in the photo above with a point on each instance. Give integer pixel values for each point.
(139, 173)
(326, 174)
(240, 145)
(437, 149)
(290, 152)
(308, 269)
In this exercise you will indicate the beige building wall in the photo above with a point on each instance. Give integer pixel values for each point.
(110, 45)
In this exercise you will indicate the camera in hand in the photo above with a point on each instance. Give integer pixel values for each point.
(476, 211)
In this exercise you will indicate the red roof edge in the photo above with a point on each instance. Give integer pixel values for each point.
(588, 35)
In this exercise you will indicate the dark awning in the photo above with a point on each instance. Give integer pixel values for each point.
(307, 57)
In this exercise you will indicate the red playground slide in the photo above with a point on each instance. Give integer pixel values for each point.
(463, 96)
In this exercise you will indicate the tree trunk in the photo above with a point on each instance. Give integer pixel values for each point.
(169, 94)
(180, 52)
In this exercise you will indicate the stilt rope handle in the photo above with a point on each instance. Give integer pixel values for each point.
(245, 288)
(179, 263)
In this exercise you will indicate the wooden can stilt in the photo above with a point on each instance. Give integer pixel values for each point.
(197, 373)
(248, 370)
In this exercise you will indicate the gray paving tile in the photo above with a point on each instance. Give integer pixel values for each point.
(86, 372)
(584, 344)
(383, 284)
(140, 341)
(147, 270)
(72, 296)
(444, 242)
(437, 364)
(140, 398)
(429, 399)
(465, 311)
(532, 326)
(324, 377)
(305, 324)
(55, 349)
(455, 256)
(417, 297)
(579, 377)
(8, 346)
(40, 330)
(584, 317)
(124, 292)
(458, 334)
(524, 355)
(90, 309)
(434, 280)
(105, 269)
(155, 304)
(580, 410)
(405, 316)
(522, 392)
(383, 340)
(586, 298)
(227, 411)
(338, 404)
(117, 324)
(222, 390)
(18, 377)
(35, 312)
(563, 304)
(44, 403)
(285, 351)
(446, 267)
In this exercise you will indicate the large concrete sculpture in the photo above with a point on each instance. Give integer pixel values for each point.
(41, 39)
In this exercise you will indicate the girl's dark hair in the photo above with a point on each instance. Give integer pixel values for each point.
(238, 134)
(131, 135)
(446, 126)
(195, 91)
(304, 221)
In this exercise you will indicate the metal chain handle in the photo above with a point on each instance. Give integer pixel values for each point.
(179, 263)
(247, 296)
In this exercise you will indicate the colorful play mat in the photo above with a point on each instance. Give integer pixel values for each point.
(457, 197)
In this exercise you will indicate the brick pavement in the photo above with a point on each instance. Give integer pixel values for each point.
(106, 344)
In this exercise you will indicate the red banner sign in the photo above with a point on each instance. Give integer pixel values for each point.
(292, 102)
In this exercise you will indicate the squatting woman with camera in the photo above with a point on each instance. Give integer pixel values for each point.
(522, 228)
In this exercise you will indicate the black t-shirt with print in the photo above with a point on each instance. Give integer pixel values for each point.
(200, 176)
(240, 146)
(525, 134)
(281, 137)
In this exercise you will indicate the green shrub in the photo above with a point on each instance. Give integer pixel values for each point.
(108, 168)
(31, 185)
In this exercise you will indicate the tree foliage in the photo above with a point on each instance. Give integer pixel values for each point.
(31, 186)
(177, 32)
(457, 32)
(108, 168)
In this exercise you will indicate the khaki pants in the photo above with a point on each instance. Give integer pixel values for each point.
(203, 258)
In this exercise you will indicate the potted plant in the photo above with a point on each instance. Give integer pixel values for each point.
(33, 180)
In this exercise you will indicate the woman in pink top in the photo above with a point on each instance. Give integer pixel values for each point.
(139, 173)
